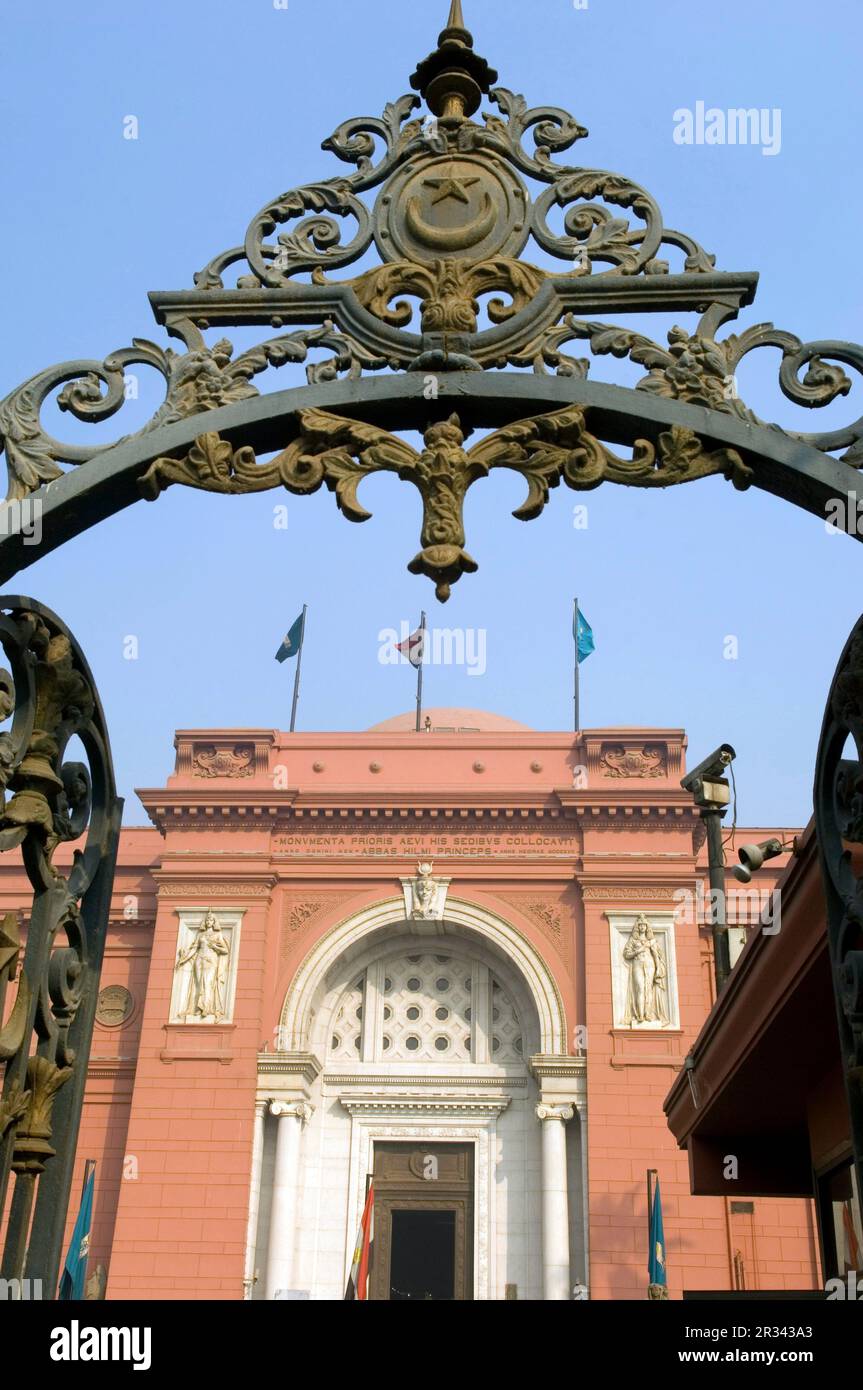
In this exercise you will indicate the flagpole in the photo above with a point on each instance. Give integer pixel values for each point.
(650, 1174)
(297, 676)
(577, 692)
(420, 673)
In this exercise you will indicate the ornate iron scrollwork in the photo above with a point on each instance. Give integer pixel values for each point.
(198, 381)
(546, 450)
(456, 202)
(839, 824)
(48, 799)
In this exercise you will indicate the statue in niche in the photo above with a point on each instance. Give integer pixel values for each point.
(647, 990)
(208, 955)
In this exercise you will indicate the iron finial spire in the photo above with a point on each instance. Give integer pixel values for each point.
(454, 79)
(456, 18)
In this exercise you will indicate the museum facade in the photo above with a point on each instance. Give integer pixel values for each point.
(468, 963)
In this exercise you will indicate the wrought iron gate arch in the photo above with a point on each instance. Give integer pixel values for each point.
(457, 203)
(47, 799)
(766, 458)
(452, 217)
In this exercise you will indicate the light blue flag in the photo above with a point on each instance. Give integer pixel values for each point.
(292, 642)
(583, 634)
(656, 1259)
(75, 1268)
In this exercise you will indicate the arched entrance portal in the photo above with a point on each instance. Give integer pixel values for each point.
(432, 1055)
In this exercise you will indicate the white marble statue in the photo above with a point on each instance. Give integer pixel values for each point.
(647, 988)
(207, 957)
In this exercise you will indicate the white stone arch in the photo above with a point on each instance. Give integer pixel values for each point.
(461, 946)
(348, 941)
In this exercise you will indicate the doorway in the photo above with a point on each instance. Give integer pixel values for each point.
(422, 1256)
(423, 1242)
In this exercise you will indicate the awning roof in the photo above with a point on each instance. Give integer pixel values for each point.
(751, 1073)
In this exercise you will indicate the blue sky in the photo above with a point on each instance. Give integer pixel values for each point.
(233, 98)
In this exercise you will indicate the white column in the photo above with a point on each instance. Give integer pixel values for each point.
(291, 1116)
(585, 1190)
(481, 1021)
(555, 1205)
(373, 1013)
(254, 1197)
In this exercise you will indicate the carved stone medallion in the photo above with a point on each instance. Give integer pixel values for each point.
(459, 206)
(114, 1006)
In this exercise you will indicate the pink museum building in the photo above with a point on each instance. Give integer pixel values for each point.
(470, 962)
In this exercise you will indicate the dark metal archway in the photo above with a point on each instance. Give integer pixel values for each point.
(50, 696)
(457, 202)
(839, 825)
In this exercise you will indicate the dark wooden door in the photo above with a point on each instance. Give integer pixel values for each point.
(423, 1242)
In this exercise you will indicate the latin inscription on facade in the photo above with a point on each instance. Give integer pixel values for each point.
(359, 840)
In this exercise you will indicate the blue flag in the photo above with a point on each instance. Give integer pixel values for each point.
(292, 642)
(75, 1268)
(583, 634)
(656, 1262)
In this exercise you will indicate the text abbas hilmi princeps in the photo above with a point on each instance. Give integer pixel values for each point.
(77, 1343)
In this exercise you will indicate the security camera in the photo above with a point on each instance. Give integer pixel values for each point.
(753, 856)
(706, 781)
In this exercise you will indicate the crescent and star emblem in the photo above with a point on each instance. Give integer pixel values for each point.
(449, 239)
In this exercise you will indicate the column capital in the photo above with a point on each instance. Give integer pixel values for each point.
(293, 1109)
(555, 1112)
(262, 1105)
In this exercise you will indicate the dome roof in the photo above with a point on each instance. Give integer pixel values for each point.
(453, 721)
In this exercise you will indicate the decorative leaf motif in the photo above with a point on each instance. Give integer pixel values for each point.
(449, 290)
(700, 261)
(344, 475)
(544, 351)
(13, 1106)
(354, 141)
(681, 457)
(591, 183)
(554, 130)
(619, 342)
(546, 449)
(826, 380)
(29, 456)
(211, 465)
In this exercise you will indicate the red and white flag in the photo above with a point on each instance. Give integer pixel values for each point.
(358, 1279)
(413, 647)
